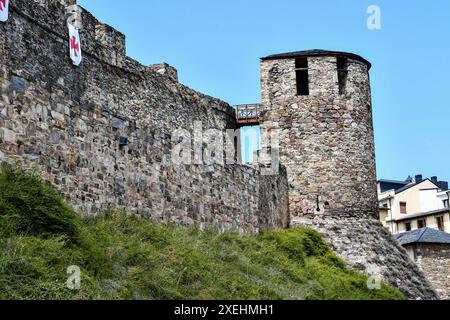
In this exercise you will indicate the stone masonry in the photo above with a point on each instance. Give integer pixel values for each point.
(434, 261)
(368, 247)
(326, 138)
(102, 134)
(327, 146)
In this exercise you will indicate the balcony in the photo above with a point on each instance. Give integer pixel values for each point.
(247, 115)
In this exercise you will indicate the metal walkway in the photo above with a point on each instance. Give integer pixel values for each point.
(247, 115)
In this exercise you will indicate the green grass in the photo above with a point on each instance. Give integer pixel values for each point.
(123, 257)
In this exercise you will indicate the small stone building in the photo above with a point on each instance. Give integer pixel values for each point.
(430, 249)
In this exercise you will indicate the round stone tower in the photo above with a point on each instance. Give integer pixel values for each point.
(321, 102)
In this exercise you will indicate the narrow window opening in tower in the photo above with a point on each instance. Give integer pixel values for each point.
(342, 74)
(302, 76)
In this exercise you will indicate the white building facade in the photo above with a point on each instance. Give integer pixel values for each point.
(414, 204)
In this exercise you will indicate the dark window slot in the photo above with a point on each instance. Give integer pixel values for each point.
(302, 76)
(302, 83)
(342, 69)
(408, 226)
(422, 224)
(301, 63)
(440, 223)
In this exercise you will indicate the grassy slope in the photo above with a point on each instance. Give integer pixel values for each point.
(128, 258)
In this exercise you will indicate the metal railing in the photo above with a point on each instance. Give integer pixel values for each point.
(247, 114)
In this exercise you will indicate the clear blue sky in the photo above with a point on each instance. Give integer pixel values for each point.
(216, 46)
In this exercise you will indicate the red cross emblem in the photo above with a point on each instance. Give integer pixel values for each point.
(2, 4)
(73, 44)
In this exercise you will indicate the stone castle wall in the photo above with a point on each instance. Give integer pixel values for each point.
(102, 132)
(370, 248)
(434, 261)
(327, 141)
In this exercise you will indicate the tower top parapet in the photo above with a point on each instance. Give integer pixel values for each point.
(317, 53)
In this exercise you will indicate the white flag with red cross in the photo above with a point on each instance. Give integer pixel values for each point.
(74, 45)
(4, 7)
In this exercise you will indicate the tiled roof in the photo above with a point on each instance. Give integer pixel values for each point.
(393, 181)
(413, 184)
(419, 215)
(408, 186)
(425, 235)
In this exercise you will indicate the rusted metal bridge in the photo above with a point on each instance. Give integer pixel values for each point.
(247, 114)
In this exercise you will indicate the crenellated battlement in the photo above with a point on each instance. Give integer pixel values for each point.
(97, 39)
(113, 43)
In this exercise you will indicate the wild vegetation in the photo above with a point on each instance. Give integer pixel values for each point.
(126, 257)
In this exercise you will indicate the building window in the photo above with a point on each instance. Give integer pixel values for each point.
(342, 74)
(408, 226)
(403, 209)
(440, 223)
(302, 75)
(422, 223)
(445, 203)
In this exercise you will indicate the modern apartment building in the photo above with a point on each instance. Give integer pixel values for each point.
(414, 204)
